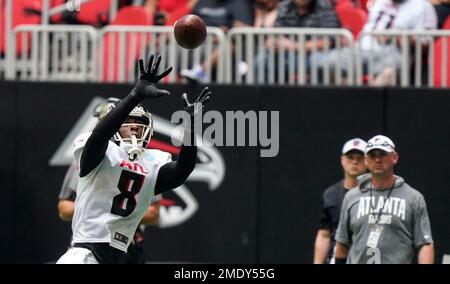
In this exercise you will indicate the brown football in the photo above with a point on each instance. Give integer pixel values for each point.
(190, 31)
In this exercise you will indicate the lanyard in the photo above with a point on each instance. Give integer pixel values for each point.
(381, 210)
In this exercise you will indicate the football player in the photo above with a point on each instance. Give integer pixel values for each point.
(119, 176)
(67, 196)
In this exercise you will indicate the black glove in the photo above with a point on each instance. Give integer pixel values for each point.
(197, 107)
(146, 85)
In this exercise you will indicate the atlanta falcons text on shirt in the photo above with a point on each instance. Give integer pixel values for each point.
(394, 206)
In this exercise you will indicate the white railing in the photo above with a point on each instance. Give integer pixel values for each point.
(245, 55)
(254, 57)
(402, 57)
(120, 47)
(46, 12)
(53, 53)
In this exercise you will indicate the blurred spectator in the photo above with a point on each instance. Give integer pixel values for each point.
(306, 14)
(224, 14)
(168, 11)
(266, 12)
(300, 14)
(442, 11)
(394, 14)
(385, 53)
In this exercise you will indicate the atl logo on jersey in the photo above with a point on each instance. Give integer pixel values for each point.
(135, 167)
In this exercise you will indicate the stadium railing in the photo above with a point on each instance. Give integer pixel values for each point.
(8, 22)
(423, 56)
(120, 47)
(245, 55)
(259, 59)
(53, 53)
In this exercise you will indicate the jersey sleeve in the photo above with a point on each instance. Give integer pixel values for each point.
(426, 18)
(162, 157)
(168, 158)
(79, 144)
(422, 227)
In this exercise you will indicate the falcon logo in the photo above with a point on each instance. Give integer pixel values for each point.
(180, 204)
(177, 205)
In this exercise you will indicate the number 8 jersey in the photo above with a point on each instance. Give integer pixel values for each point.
(114, 196)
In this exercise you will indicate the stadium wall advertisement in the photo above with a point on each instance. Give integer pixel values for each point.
(237, 207)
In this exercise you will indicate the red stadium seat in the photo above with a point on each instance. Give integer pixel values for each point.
(446, 25)
(131, 15)
(437, 63)
(175, 9)
(94, 12)
(21, 14)
(352, 18)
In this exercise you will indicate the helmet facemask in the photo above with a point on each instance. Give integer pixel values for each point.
(136, 143)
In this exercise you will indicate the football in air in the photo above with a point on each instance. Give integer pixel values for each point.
(190, 31)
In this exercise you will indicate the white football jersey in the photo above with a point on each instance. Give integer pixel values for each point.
(113, 197)
(409, 15)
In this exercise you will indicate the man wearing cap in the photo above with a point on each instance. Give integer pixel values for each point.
(352, 161)
(383, 220)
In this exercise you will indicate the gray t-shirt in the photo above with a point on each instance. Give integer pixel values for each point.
(403, 219)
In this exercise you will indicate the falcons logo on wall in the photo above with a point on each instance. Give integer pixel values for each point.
(178, 205)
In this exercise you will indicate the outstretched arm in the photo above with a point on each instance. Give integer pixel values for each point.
(96, 146)
(174, 174)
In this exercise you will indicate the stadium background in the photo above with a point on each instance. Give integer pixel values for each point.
(266, 209)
